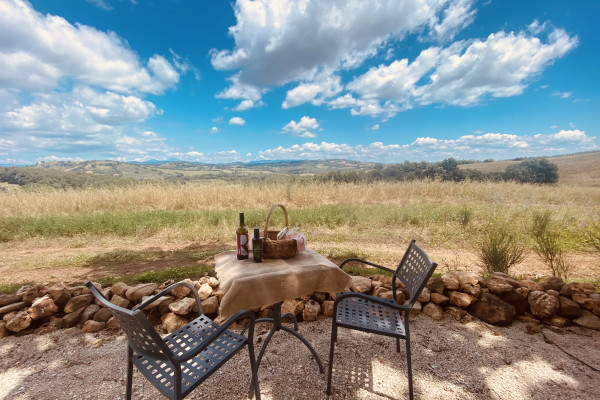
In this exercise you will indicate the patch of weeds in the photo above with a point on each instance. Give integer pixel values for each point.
(11, 288)
(176, 274)
(500, 248)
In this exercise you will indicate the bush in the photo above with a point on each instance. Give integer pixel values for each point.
(592, 237)
(532, 171)
(549, 244)
(500, 248)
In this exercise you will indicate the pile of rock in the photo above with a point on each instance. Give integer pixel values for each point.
(497, 300)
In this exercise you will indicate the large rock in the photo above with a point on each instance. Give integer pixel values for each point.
(568, 308)
(542, 304)
(213, 282)
(3, 331)
(451, 281)
(360, 284)
(460, 299)
(6, 299)
(30, 293)
(583, 288)
(77, 302)
(88, 313)
(136, 293)
(384, 280)
(42, 307)
(425, 295)
(436, 285)
(457, 312)
(416, 309)
(311, 310)
(182, 306)
(103, 315)
(171, 322)
(71, 318)
(434, 311)
(493, 310)
(328, 308)
(439, 299)
(552, 283)
(591, 305)
(59, 292)
(588, 320)
(467, 278)
(19, 322)
(498, 284)
(210, 305)
(517, 299)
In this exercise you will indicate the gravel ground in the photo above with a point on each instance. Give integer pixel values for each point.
(450, 361)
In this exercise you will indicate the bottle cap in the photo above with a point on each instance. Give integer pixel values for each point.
(256, 233)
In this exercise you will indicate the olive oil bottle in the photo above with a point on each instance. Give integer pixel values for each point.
(242, 240)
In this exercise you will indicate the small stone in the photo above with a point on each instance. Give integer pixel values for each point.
(542, 304)
(451, 281)
(311, 310)
(557, 321)
(86, 290)
(456, 312)
(182, 306)
(112, 323)
(117, 300)
(213, 282)
(591, 305)
(425, 295)
(436, 285)
(156, 302)
(588, 320)
(181, 291)
(19, 322)
(3, 331)
(210, 305)
(205, 291)
(171, 322)
(433, 310)
(59, 293)
(360, 284)
(30, 293)
(552, 292)
(88, 313)
(416, 309)
(294, 307)
(319, 297)
(103, 315)
(439, 298)
(462, 300)
(532, 328)
(78, 302)
(328, 308)
(383, 292)
(93, 326)
(467, 278)
(119, 289)
(6, 299)
(71, 319)
(473, 290)
(498, 285)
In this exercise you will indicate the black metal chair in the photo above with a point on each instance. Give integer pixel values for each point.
(381, 316)
(179, 362)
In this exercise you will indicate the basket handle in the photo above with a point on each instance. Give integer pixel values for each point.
(269, 216)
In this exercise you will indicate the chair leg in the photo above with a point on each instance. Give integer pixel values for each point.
(129, 373)
(331, 348)
(409, 366)
(254, 368)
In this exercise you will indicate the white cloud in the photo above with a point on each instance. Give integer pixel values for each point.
(237, 121)
(375, 127)
(247, 105)
(214, 129)
(302, 128)
(562, 95)
(282, 41)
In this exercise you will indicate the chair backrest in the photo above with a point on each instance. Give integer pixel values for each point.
(141, 335)
(414, 271)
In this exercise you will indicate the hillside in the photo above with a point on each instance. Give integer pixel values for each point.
(576, 170)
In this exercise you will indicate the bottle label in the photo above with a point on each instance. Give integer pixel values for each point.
(242, 245)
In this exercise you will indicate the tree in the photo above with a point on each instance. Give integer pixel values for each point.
(532, 171)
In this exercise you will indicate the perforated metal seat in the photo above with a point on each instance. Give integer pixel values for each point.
(372, 314)
(179, 362)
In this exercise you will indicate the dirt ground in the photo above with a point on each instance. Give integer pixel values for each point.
(450, 361)
(53, 260)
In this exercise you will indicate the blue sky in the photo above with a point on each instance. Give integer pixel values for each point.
(225, 81)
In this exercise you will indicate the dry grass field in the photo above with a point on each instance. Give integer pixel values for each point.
(73, 235)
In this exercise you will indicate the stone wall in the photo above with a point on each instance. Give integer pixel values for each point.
(497, 300)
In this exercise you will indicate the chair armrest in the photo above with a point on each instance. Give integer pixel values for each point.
(373, 299)
(153, 298)
(225, 326)
(365, 262)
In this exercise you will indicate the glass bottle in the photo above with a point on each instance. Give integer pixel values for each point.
(257, 246)
(242, 240)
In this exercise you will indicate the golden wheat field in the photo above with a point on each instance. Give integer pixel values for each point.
(52, 234)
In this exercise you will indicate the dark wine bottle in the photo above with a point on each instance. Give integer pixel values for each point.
(242, 240)
(257, 246)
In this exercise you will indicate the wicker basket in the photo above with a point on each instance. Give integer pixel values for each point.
(273, 248)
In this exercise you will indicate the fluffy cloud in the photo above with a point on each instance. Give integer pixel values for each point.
(302, 128)
(488, 145)
(237, 121)
(282, 41)
(462, 74)
(38, 51)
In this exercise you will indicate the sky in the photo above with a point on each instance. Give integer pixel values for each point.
(239, 81)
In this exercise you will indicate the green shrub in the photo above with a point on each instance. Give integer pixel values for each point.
(592, 237)
(500, 248)
(549, 244)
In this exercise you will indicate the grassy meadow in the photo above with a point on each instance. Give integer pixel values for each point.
(106, 232)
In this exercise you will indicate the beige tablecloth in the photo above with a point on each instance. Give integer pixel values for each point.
(249, 285)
